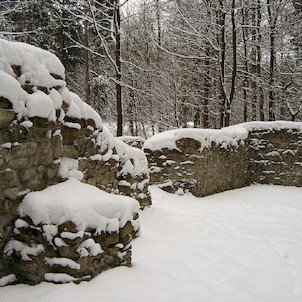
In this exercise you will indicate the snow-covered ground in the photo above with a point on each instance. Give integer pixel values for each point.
(241, 245)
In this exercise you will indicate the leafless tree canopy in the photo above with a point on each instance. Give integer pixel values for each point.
(153, 65)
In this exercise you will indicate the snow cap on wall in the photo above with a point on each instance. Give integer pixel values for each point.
(228, 136)
(85, 205)
(22, 66)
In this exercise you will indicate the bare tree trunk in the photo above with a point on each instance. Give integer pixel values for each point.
(205, 119)
(86, 58)
(272, 58)
(259, 56)
(245, 81)
(234, 67)
(254, 64)
(197, 118)
(118, 87)
(223, 97)
(132, 109)
(158, 23)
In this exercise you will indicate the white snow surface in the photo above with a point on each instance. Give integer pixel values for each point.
(228, 136)
(7, 279)
(276, 125)
(69, 168)
(167, 139)
(81, 203)
(62, 262)
(133, 160)
(37, 66)
(25, 250)
(243, 245)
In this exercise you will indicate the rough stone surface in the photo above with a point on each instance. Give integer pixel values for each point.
(30, 161)
(32, 152)
(267, 156)
(82, 258)
(201, 173)
(6, 116)
(275, 157)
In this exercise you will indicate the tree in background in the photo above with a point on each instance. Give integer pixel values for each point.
(153, 65)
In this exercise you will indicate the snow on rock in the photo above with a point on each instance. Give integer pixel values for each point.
(228, 136)
(32, 80)
(69, 168)
(57, 136)
(71, 228)
(201, 161)
(133, 160)
(37, 65)
(62, 262)
(7, 279)
(40, 104)
(276, 125)
(133, 141)
(25, 250)
(93, 248)
(59, 278)
(38, 69)
(85, 205)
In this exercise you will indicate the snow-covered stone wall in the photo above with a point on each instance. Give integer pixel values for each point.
(202, 161)
(275, 154)
(207, 161)
(48, 135)
(70, 232)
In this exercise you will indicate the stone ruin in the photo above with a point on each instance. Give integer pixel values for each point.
(51, 143)
(208, 161)
(48, 135)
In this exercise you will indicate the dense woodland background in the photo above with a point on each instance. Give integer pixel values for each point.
(152, 65)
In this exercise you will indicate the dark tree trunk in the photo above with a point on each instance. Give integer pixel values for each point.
(259, 56)
(245, 81)
(86, 58)
(205, 116)
(254, 63)
(223, 97)
(234, 67)
(118, 86)
(272, 58)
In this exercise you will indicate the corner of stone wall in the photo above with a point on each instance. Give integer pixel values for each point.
(29, 153)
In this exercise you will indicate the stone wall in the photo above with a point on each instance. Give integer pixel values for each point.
(48, 134)
(31, 160)
(275, 157)
(69, 256)
(268, 153)
(205, 172)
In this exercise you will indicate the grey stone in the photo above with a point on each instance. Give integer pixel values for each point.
(24, 150)
(11, 193)
(6, 116)
(8, 178)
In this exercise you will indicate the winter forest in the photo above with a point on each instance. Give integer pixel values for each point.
(152, 65)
